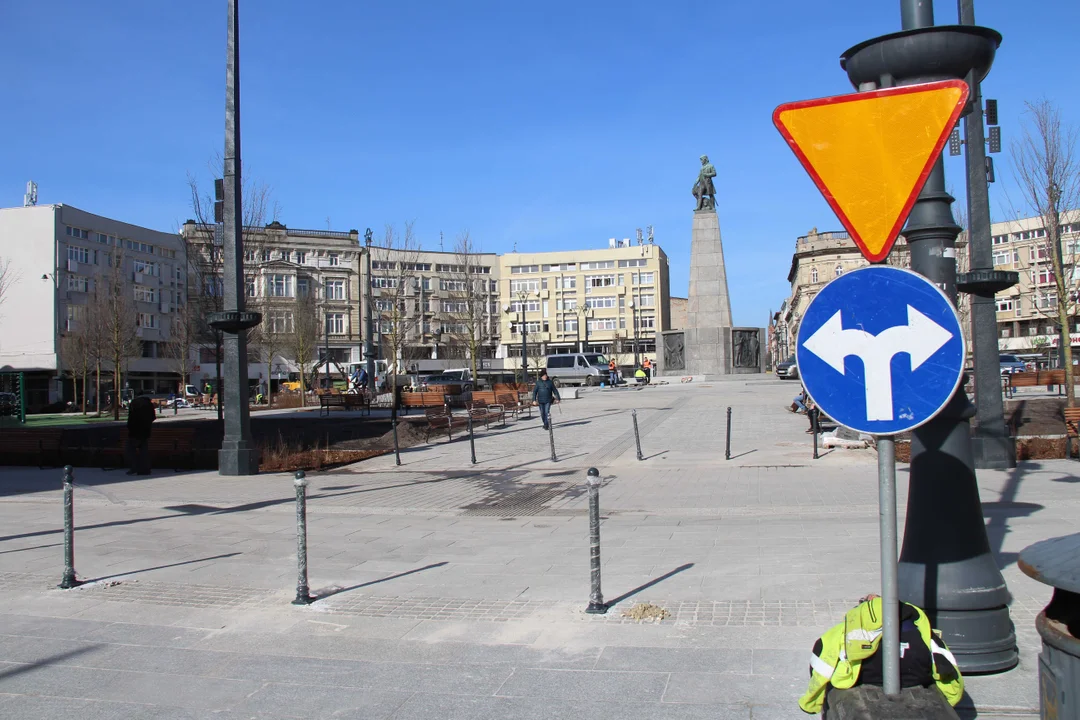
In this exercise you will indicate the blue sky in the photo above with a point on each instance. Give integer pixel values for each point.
(551, 125)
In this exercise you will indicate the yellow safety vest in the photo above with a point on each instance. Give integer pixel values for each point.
(845, 645)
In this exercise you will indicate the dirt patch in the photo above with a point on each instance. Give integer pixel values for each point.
(291, 461)
(643, 612)
(1027, 448)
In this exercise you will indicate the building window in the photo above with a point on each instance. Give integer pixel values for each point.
(530, 306)
(383, 265)
(301, 257)
(384, 282)
(280, 285)
(813, 275)
(146, 320)
(1004, 305)
(1006, 331)
(519, 269)
(145, 294)
(303, 287)
(249, 256)
(335, 289)
(249, 287)
(149, 349)
(1002, 257)
(1047, 301)
(638, 262)
(452, 285)
(594, 281)
(333, 259)
(647, 301)
(77, 233)
(999, 239)
(647, 322)
(335, 323)
(597, 303)
(79, 254)
(569, 324)
(568, 304)
(75, 314)
(1038, 253)
(213, 287)
(602, 324)
(279, 321)
(1045, 276)
(599, 265)
(78, 283)
(266, 256)
(524, 285)
(455, 307)
(145, 268)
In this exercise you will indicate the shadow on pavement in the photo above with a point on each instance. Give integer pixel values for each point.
(160, 567)
(655, 581)
(1006, 508)
(330, 592)
(45, 662)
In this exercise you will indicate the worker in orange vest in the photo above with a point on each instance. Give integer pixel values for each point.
(648, 371)
(613, 372)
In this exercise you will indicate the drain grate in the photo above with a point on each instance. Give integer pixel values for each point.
(529, 500)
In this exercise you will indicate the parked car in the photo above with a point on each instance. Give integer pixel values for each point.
(450, 378)
(787, 370)
(1011, 364)
(581, 368)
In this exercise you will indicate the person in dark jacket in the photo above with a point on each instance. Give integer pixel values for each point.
(141, 416)
(543, 394)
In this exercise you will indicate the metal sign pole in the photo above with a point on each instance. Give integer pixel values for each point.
(890, 599)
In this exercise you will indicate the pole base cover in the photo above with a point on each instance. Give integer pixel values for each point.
(869, 702)
(597, 608)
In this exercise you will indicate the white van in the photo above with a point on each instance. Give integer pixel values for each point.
(577, 368)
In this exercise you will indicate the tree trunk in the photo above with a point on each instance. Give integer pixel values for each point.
(85, 375)
(303, 386)
(116, 391)
(97, 386)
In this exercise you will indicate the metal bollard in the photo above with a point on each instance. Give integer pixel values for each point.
(597, 606)
(69, 581)
(472, 443)
(397, 451)
(637, 437)
(814, 426)
(551, 438)
(727, 446)
(303, 596)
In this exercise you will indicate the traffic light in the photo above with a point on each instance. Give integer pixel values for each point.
(954, 141)
(995, 139)
(991, 112)
(219, 200)
(989, 169)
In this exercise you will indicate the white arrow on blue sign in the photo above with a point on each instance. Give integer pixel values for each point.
(880, 350)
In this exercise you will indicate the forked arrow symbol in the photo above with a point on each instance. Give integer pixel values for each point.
(920, 338)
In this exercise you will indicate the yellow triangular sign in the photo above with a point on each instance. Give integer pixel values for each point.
(870, 153)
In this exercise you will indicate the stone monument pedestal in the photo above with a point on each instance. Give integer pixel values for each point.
(709, 345)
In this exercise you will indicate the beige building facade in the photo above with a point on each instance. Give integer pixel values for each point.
(612, 300)
(1027, 313)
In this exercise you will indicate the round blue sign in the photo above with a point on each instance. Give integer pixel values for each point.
(880, 350)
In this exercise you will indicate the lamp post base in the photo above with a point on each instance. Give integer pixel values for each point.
(993, 452)
(238, 460)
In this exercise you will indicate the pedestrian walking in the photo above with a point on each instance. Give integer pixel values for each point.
(141, 416)
(544, 392)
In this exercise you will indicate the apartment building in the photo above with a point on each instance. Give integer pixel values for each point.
(58, 255)
(612, 300)
(291, 276)
(819, 257)
(443, 303)
(1027, 313)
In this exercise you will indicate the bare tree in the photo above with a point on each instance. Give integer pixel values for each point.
(119, 321)
(302, 337)
(205, 258)
(1047, 172)
(467, 306)
(182, 337)
(392, 269)
(8, 277)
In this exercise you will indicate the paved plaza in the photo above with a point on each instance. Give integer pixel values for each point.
(452, 590)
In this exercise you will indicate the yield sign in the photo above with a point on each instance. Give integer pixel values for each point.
(870, 153)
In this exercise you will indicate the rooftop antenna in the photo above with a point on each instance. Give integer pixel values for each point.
(650, 229)
(639, 236)
(440, 241)
(30, 198)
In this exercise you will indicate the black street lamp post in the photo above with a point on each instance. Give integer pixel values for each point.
(237, 455)
(946, 566)
(634, 319)
(369, 340)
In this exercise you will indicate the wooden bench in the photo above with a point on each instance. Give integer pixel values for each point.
(480, 411)
(512, 404)
(1049, 378)
(43, 444)
(421, 400)
(347, 402)
(487, 396)
(439, 419)
(1072, 430)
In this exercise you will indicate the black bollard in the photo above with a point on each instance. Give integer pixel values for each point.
(303, 596)
(397, 450)
(472, 443)
(597, 606)
(69, 581)
(637, 437)
(727, 446)
(551, 437)
(815, 415)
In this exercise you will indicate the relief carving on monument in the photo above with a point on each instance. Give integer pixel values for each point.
(747, 348)
(674, 355)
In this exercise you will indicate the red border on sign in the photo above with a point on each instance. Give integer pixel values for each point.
(923, 175)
